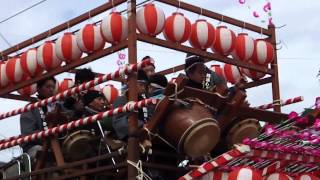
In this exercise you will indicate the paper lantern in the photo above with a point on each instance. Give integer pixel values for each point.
(114, 28)
(278, 176)
(67, 49)
(225, 41)
(254, 75)
(177, 28)
(111, 93)
(263, 52)
(89, 38)
(28, 90)
(231, 73)
(3, 75)
(244, 174)
(202, 34)
(150, 20)
(30, 64)
(306, 176)
(46, 56)
(14, 70)
(244, 47)
(218, 70)
(66, 84)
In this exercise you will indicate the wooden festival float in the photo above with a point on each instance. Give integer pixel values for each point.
(192, 122)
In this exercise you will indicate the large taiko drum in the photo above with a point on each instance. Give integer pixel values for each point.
(79, 145)
(246, 128)
(191, 128)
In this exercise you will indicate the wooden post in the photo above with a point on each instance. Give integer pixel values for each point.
(133, 152)
(274, 67)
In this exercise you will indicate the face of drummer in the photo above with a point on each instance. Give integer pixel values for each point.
(46, 89)
(99, 104)
(198, 73)
(149, 70)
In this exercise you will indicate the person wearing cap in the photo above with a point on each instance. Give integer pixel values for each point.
(201, 77)
(120, 121)
(149, 70)
(157, 85)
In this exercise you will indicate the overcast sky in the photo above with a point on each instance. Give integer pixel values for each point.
(298, 58)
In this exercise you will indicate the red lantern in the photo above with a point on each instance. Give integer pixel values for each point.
(278, 176)
(114, 28)
(150, 20)
(306, 176)
(46, 56)
(111, 93)
(202, 34)
(89, 38)
(244, 174)
(30, 64)
(232, 73)
(3, 75)
(225, 41)
(67, 48)
(254, 75)
(177, 28)
(263, 52)
(218, 70)
(14, 70)
(28, 91)
(244, 47)
(66, 84)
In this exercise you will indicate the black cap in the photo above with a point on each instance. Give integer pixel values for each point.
(90, 96)
(159, 80)
(192, 60)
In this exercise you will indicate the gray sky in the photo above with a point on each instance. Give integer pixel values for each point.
(298, 59)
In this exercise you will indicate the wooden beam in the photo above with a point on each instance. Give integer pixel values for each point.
(257, 83)
(207, 55)
(67, 67)
(63, 26)
(19, 98)
(217, 16)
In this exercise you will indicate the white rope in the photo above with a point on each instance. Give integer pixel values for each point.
(141, 175)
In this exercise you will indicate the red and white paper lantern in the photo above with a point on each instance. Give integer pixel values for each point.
(263, 52)
(14, 70)
(177, 28)
(254, 75)
(225, 41)
(46, 56)
(3, 75)
(66, 84)
(111, 93)
(231, 73)
(202, 34)
(28, 91)
(30, 64)
(218, 70)
(67, 48)
(114, 28)
(244, 174)
(89, 38)
(150, 20)
(306, 177)
(244, 47)
(278, 176)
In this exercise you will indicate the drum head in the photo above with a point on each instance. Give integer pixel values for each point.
(200, 138)
(248, 128)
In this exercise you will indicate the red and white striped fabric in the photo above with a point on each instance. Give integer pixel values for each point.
(14, 70)
(30, 64)
(306, 177)
(225, 41)
(46, 56)
(150, 20)
(3, 75)
(254, 75)
(89, 38)
(114, 28)
(66, 84)
(231, 73)
(263, 52)
(111, 93)
(28, 90)
(244, 47)
(67, 48)
(244, 174)
(278, 176)
(215, 175)
(177, 28)
(202, 34)
(218, 70)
